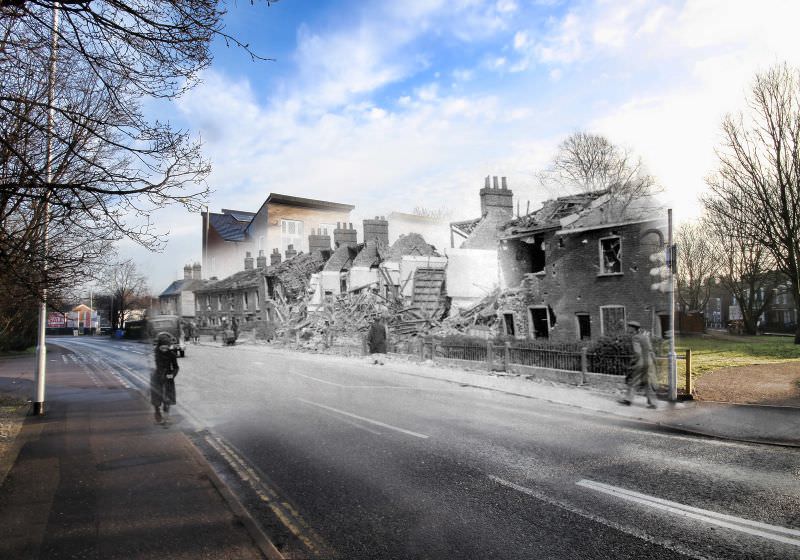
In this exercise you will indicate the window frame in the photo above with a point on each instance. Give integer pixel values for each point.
(602, 318)
(601, 255)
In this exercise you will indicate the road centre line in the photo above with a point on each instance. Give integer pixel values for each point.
(363, 419)
(632, 531)
(325, 381)
(772, 532)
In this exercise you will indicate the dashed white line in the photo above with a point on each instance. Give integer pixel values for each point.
(755, 528)
(363, 419)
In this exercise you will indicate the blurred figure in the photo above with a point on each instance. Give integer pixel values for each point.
(377, 339)
(643, 370)
(162, 379)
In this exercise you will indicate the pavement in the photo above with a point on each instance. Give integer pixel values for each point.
(96, 477)
(765, 424)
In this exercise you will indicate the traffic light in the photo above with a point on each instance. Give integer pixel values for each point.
(665, 262)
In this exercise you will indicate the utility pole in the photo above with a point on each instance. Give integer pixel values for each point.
(41, 346)
(672, 356)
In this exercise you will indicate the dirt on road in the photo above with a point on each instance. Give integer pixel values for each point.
(773, 384)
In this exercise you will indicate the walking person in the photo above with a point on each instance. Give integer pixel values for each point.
(643, 369)
(377, 339)
(162, 378)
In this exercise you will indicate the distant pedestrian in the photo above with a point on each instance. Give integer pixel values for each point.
(193, 334)
(643, 368)
(377, 339)
(162, 379)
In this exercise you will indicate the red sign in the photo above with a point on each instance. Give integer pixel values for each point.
(56, 320)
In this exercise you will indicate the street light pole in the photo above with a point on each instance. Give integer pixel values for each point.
(672, 356)
(41, 346)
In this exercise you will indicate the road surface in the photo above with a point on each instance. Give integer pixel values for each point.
(341, 458)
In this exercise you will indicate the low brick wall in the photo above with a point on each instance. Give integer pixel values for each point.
(557, 375)
(605, 381)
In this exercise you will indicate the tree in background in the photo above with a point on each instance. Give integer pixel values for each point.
(698, 266)
(757, 184)
(125, 289)
(586, 162)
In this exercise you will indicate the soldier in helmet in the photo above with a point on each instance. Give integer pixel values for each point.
(162, 379)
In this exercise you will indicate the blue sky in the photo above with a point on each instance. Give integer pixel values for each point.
(391, 105)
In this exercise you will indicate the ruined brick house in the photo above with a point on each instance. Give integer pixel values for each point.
(250, 294)
(374, 264)
(281, 221)
(472, 268)
(579, 268)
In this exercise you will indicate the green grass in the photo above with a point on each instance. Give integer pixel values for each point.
(715, 351)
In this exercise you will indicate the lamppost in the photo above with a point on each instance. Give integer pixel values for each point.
(41, 346)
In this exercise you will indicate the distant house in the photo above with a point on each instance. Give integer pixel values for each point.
(281, 221)
(178, 298)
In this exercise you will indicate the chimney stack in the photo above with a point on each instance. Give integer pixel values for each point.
(248, 261)
(290, 251)
(376, 229)
(319, 241)
(275, 257)
(344, 235)
(187, 272)
(197, 272)
(261, 261)
(497, 200)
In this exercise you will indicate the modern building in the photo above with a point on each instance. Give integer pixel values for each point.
(281, 221)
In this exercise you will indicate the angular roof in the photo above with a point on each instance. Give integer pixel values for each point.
(183, 285)
(228, 226)
(410, 244)
(275, 198)
(240, 215)
(342, 257)
(372, 254)
(241, 279)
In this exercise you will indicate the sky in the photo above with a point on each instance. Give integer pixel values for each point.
(391, 105)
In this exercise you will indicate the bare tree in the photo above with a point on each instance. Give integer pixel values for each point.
(127, 288)
(757, 184)
(698, 266)
(744, 267)
(586, 162)
(426, 212)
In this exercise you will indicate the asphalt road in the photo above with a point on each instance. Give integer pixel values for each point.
(341, 458)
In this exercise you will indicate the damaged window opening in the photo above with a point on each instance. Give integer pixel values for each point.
(584, 326)
(537, 254)
(611, 255)
(540, 322)
(508, 322)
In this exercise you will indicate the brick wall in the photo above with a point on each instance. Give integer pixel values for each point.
(571, 282)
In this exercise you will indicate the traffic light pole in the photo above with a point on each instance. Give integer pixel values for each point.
(672, 356)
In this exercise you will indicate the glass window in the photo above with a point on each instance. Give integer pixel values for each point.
(612, 319)
(291, 234)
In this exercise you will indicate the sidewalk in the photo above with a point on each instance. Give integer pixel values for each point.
(96, 478)
(752, 423)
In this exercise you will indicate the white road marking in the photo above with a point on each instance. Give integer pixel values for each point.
(363, 419)
(634, 532)
(772, 532)
(64, 357)
(136, 352)
(351, 386)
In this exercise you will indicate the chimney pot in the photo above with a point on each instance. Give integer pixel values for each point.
(494, 181)
(486, 183)
(504, 183)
